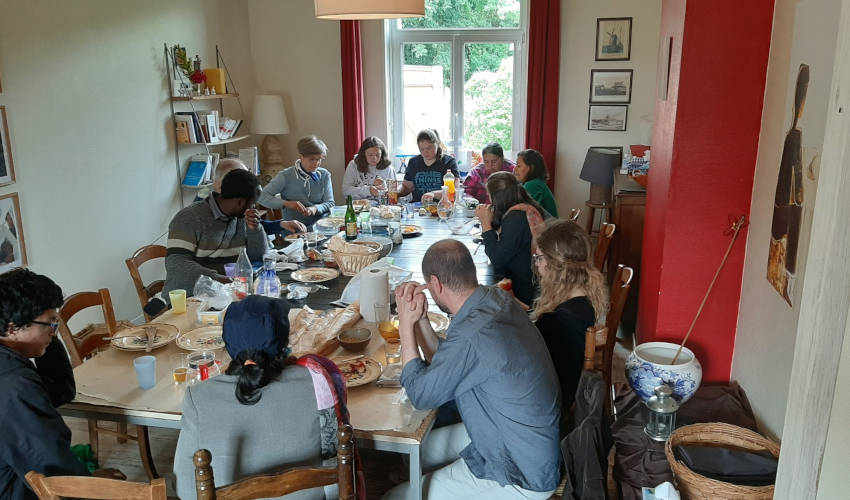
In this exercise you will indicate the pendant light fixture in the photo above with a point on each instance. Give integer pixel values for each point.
(369, 9)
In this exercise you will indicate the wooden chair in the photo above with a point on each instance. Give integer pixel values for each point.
(85, 345)
(281, 483)
(56, 487)
(606, 233)
(619, 293)
(574, 213)
(145, 292)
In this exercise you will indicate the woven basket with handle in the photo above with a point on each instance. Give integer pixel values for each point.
(696, 486)
(352, 263)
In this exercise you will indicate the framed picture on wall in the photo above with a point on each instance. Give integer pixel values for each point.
(13, 251)
(610, 117)
(7, 167)
(611, 85)
(613, 38)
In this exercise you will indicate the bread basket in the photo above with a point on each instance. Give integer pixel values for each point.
(351, 260)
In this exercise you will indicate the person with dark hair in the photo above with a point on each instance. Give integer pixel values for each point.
(531, 172)
(206, 235)
(305, 188)
(573, 297)
(370, 172)
(34, 435)
(493, 156)
(508, 228)
(494, 364)
(268, 411)
(425, 171)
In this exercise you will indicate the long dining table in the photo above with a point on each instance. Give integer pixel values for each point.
(107, 388)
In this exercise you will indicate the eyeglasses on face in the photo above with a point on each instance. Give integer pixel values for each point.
(53, 324)
(537, 257)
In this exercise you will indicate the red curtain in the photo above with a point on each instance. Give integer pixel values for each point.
(544, 39)
(353, 119)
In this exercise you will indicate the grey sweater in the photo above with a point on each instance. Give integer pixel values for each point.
(292, 185)
(201, 239)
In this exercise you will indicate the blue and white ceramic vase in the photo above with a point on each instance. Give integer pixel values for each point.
(648, 366)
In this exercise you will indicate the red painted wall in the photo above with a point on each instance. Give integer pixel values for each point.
(704, 148)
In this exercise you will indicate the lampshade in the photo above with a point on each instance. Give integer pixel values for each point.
(369, 9)
(269, 116)
(599, 165)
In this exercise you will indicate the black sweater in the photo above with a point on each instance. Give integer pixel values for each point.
(563, 330)
(510, 253)
(34, 436)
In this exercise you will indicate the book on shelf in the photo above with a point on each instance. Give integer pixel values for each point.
(183, 132)
(199, 170)
(212, 128)
(228, 128)
(189, 124)
(250, 157)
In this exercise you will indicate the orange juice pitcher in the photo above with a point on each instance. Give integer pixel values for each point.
(449, 181)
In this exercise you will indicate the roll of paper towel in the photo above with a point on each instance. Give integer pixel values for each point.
(374, 289)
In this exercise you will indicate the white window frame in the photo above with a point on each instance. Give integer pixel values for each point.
(457, 38)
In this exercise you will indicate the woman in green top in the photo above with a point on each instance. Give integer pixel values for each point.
(531, 172)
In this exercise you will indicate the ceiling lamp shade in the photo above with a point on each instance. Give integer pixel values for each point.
(269, 116)
(369, 9)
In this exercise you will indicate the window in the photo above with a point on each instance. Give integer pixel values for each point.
(461, 71)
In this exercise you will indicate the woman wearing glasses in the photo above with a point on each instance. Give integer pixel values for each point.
(572, 298)
(34, 435)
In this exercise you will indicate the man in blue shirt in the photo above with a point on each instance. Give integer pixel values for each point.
(495, 366)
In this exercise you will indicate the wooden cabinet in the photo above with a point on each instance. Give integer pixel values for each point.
(627, 214)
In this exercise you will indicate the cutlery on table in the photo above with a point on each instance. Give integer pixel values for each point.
(150, 331)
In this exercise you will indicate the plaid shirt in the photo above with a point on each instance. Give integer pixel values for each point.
(475, 184)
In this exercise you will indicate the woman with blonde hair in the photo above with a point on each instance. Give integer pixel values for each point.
(572, 298)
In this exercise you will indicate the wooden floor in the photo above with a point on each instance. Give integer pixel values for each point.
(383, 470)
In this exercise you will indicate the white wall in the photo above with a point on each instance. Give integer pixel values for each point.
(578, 36)
(298, 56)
(375, 79)
(803, 32)
(85, 91)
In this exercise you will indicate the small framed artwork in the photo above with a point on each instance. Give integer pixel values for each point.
(611, 85)
(13, 251)
(7, 168)
(613, 38)
(608, 117)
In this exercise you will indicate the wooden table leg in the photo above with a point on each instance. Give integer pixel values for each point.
(145, 452)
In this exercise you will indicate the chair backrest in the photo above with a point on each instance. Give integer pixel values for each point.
(606, 233)
(619, 293)
(574, 213)
(281, 483)
(79, 348)
(56, 487)
(142, 255)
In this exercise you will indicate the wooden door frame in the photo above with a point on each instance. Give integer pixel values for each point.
(826, 294)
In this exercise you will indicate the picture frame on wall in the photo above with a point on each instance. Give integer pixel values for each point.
(611, 85)
(612, 117)
(613, 38)
(13, 251)
(7, 166)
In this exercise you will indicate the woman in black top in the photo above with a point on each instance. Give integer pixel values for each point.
(424, 174)
(508, 228)
(572, 298)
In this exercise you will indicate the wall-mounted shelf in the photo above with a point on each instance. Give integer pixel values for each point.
(218, 143)
(204, 97)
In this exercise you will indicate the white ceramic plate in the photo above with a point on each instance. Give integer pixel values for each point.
(306, 236)
(134, 339)
(360, 371)
(206, 338)
(439, 322)
(314, 274)
(408, 230)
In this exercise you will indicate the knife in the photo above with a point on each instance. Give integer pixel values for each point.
(150, 331)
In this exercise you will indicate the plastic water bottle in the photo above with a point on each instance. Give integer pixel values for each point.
(244, 275)
(268, 284)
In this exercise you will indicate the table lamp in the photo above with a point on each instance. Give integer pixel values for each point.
(598, 169)
(269, 119)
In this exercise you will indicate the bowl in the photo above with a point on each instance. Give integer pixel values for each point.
(648, 366)
(354, 339)
(460, 225)
(328, 226)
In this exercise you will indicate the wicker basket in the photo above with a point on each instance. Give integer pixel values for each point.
(351, 263)
(697, 487)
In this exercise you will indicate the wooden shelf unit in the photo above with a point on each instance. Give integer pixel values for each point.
(219, 143)
(205, 97)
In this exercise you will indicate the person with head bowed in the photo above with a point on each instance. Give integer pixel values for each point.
(425, 171)
(531, 172)
(268, 411)
(493, 156)
(573, 297)
(370, 172)
(305, 189)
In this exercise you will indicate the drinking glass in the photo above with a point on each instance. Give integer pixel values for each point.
(179, 367)
(382, 313)
(392, 350)
(202, 365)
(145, 371)
(178, 301)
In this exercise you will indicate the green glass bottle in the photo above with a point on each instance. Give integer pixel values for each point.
(350, 220)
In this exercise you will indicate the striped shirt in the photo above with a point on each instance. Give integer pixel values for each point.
(201, 239)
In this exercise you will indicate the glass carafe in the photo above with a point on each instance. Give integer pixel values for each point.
(444, 207)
